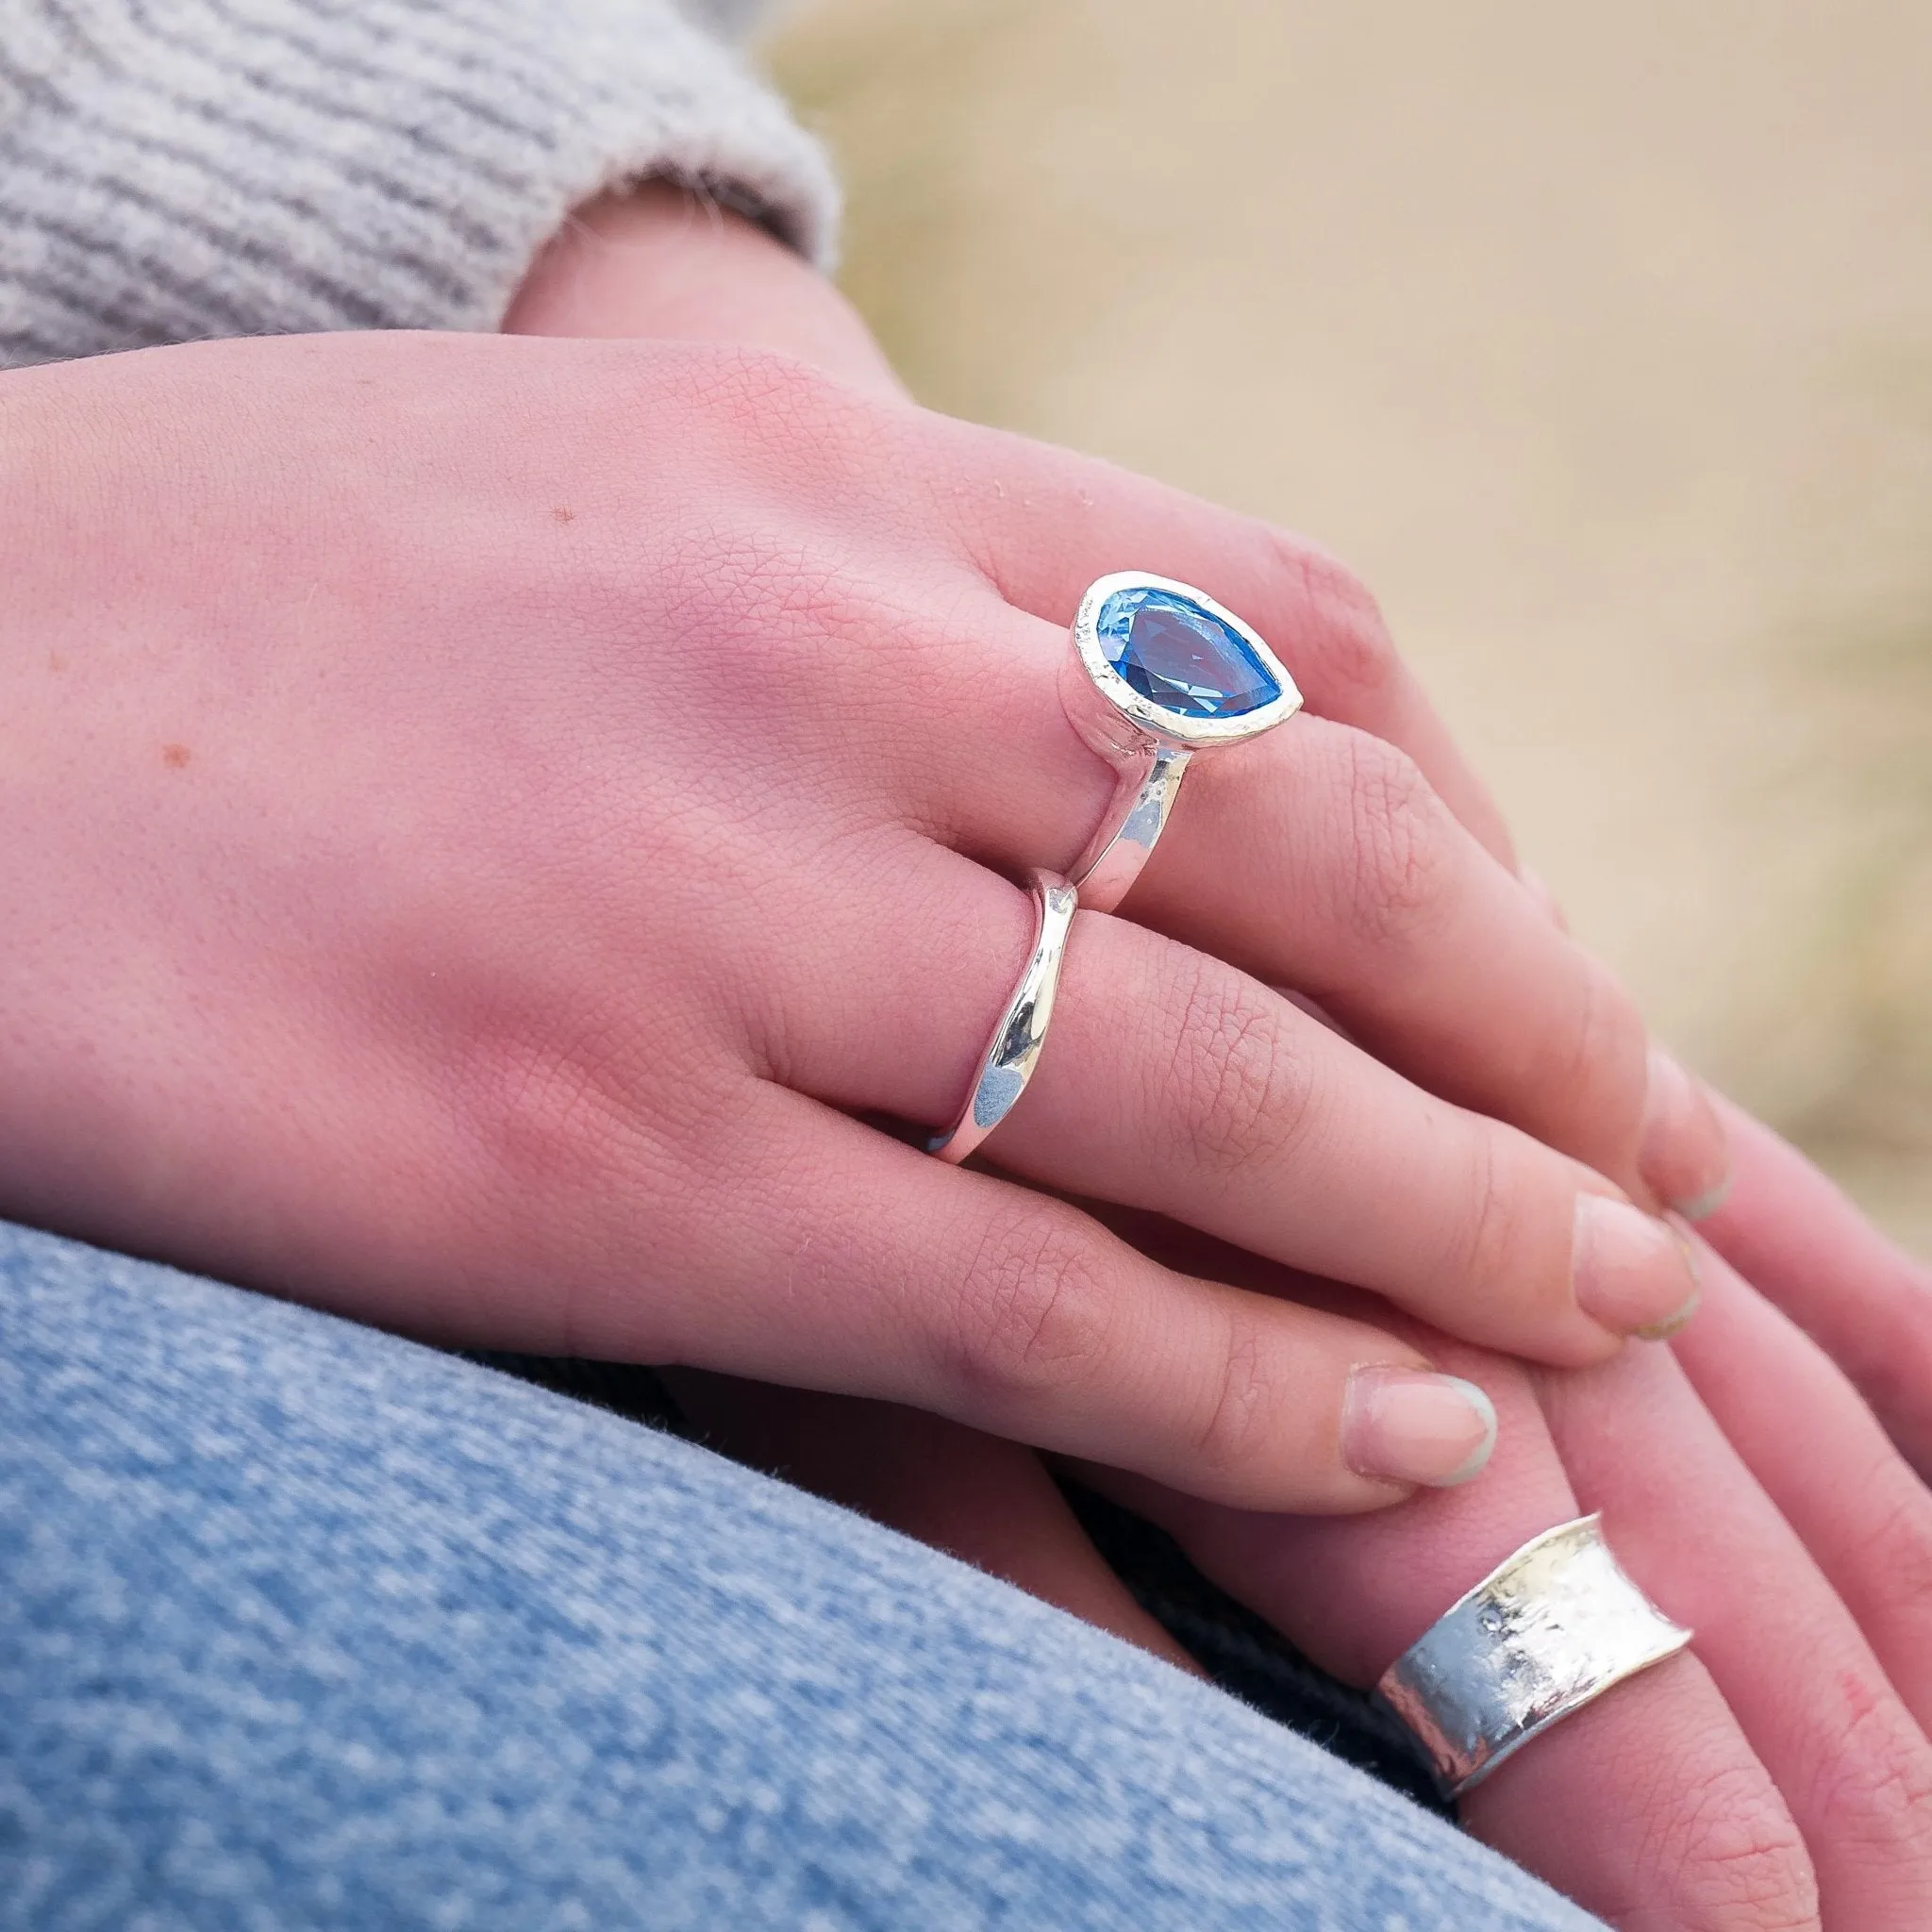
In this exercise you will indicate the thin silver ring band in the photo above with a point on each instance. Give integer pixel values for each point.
(1542, 1634)
(1149, 745)
(1013, 1049)
(1148, 783)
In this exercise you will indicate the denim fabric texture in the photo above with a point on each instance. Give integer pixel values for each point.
(305, 1626)
(1232, 1645)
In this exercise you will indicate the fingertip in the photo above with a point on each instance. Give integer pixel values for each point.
(1683, 1154)
(1678, 1228)
(1631, 1273)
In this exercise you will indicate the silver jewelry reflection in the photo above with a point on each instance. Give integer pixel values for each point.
(1147, 742)
(1007, 1062)
(1541, 1636)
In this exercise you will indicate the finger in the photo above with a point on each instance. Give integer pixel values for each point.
(1318, 853)
(848, 1262)
(1172, 1082)
(1042, 524)
(1180, 1085)
(1320, 858)
(1826, 1464)
(1796, 1238)
(1699, 1534)
(1648, 1807)
(978, 1497)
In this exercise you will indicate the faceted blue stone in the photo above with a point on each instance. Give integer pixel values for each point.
(1174, 652)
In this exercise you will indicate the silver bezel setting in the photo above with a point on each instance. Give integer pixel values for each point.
(1152, 723)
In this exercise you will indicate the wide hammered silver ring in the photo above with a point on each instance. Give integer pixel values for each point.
(1542, 1634)
(1157, 672)
(1010, 1055)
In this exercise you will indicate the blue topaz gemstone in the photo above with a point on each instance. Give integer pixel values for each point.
(1182, 657)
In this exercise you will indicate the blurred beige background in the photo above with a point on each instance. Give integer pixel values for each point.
(1598, 339)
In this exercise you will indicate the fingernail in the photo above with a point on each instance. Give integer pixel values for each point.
(1682, 1156)
(1634, 1274)
(1410, 1425)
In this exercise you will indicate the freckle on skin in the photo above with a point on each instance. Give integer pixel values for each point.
(564, 516)
(176, 755)
(56, 661)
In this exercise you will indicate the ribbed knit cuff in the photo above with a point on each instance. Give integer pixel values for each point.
(172, 170)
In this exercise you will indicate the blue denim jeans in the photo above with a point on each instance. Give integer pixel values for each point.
(302, 1624)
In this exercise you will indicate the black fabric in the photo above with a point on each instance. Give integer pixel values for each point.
(1250, 1658)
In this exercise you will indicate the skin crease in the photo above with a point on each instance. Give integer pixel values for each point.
(1666, 1803)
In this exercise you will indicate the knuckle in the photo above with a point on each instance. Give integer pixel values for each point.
(1487, 1241)
(1032, 1309)
(549, 1110)
(745, 592)
(573, 1122)
(1901, 1527)
(1603, 1051)
(1393, 827)
(1345, 631)
(1245, 1397)
(766, 394)
(1746, 1861)
(1238, 1094)
(1879, 1786)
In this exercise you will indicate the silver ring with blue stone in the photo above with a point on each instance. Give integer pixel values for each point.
(1010, 1055)
(1157, 672)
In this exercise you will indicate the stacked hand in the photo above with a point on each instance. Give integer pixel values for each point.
(1750, 1487)
(490, 819)
(487, 815)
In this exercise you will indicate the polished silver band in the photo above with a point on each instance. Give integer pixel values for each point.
(1225, 685)
(1149, 781)
(1148, 743)
(1539, 1637)
(1010, 1054)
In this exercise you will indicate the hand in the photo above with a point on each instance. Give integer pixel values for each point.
(1782, 1762)
(653, 261)
(486, 813)
(1782, 1758)
(1652, 1807)
(1756, 1500)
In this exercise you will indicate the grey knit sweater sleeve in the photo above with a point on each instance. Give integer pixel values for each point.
(177, 169)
